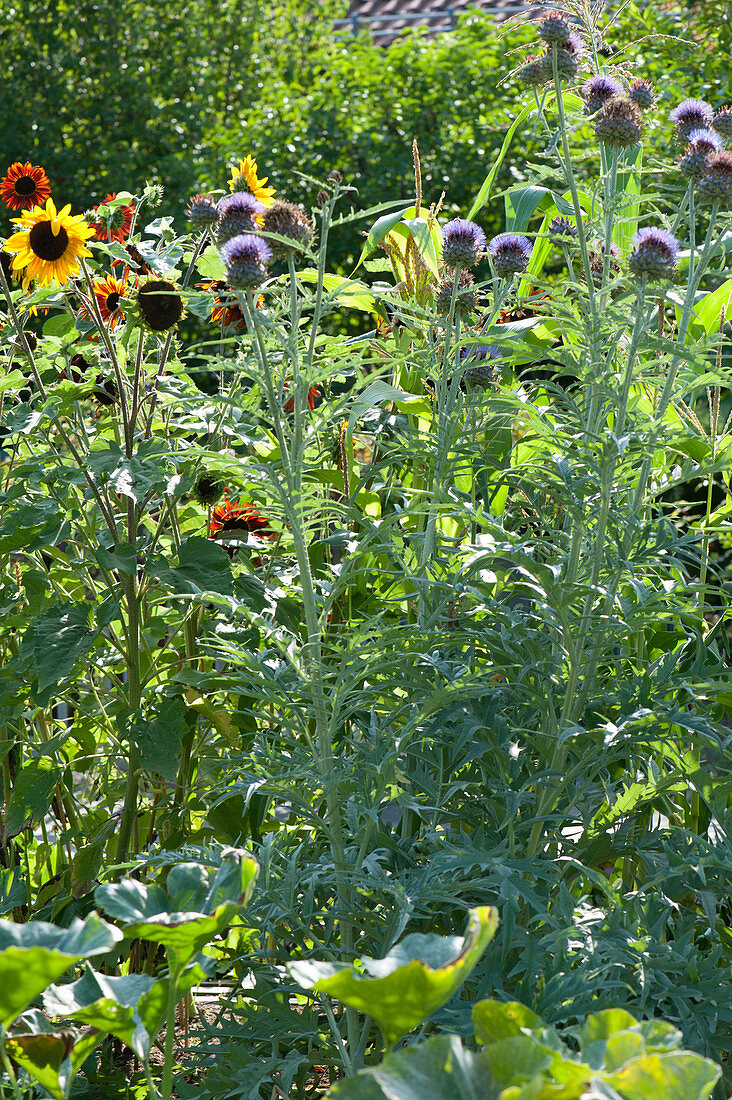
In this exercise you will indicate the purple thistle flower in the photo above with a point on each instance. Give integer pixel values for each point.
(462, 243)
(722, 122)
(716, 183)
(642, 93)
(238, 213)
(510, 253)
(653, 254)
(691, 114)
(702, 143)
(245, 259)
(597, 90)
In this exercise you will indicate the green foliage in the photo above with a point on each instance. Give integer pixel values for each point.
(522, 1059)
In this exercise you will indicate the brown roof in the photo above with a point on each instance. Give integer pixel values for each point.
(387, 18)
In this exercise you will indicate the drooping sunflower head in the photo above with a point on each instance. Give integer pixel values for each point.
(245, 178)
(113, 220)
(160, 304)
(49, 244)
(24, 186)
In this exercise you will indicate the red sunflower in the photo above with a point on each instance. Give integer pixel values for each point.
(24, 186)
(108, 294)
(223, 312)
(238, 520)
(115, 224)
(314, 396)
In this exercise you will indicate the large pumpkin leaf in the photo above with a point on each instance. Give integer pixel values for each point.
(418, 975)
(193, 907)
(35, 954)
(53, 1058)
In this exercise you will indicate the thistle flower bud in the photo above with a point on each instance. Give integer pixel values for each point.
(335, 177)
(653, 254)
(466, 299)
(722, 122)
(716, 183)
(462, 243)
(597, 262)
(562, 228)
(619, 123)
(322, 198)
(482, 370)
(702, 143)
(536, 72)
(203, 212)
(238, 213)
(285, 219)
(642, 93)
(691, 114)
(510, 253)
(555, 28)
(597, 91)
(245, 259)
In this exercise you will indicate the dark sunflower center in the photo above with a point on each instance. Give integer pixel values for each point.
(44, 244)
(26, 185)
(112, 301)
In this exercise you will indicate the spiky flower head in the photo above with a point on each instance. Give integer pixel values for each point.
(642, 93)
(245, 259)
(536, 71)
(653, 253)
(285, 219)
(702, 143)
(722, 122)
(562, 228)
(510, 253)
(160, 304)
(619, 123)
(598, 90)
(691, 114)
(462, 243)
(568, 57)
(203, 211)
(716, 183)
(597, 261)
(466, 299)
(238, 213)
(208, 489)
(480, 360)
(555, 28)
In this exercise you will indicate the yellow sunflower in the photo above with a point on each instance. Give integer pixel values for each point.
(245, 178)
(49, 244)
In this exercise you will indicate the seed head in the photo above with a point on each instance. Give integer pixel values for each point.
(462, 243)
(642, 93)
(691, 114)
(510, 253)
(160, 304)
(466, 299)
(722, 122)
(716, 183)
(286, 220)
(597, 90)
(619, 123)
(480, 360)
(203, 212)
(208, 489)
(238, 213)
(245, 259)
(653, 254)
